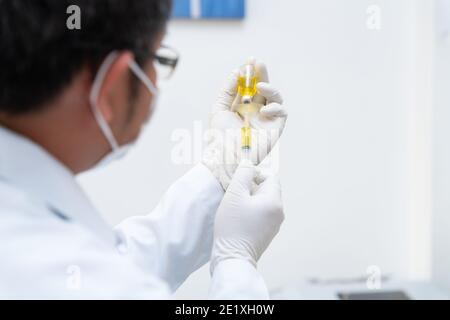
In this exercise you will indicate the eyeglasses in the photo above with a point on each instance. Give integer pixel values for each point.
(166, 59)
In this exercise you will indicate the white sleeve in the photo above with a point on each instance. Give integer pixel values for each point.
(53, 259)
(176, 238)
(235, 279)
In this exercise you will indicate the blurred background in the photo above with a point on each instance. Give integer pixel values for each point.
(365, 159)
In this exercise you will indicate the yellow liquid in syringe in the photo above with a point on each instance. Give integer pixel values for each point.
(246, 137)
(247, 90)
(246, 86)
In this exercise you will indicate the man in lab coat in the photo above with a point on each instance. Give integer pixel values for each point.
(75, 96)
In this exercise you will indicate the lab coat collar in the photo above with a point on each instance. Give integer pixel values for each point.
(29, 167)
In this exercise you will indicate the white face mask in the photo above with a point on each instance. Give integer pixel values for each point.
(117, 151)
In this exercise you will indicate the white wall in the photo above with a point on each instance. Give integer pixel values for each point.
(441, 148)
(346, 157)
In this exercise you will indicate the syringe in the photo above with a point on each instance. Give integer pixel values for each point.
(247, 81)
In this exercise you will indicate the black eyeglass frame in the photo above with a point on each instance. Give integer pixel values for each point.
(168, 61)
(142, 55)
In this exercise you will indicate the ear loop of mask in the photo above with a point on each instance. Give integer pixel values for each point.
(151, 87)
(138, 72)
(95, 92)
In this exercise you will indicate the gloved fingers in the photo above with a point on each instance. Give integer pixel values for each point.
(269, 93)
(236, 102)
(270, 187)
(273, 110)
(242, 181)
(261, 71)
(261, 176)
(263, 76)
(268, 193)
(228, 93)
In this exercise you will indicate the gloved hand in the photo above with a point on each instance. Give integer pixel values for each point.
(248, 217)
(223, 151)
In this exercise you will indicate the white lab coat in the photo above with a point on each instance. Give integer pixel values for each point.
(55, 245)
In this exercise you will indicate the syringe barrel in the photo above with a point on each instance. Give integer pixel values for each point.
(246, 137)
(247, 82)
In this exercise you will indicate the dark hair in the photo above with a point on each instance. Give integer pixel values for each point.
(39, 54)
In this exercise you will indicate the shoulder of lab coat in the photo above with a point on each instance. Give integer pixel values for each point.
(52, 240)
(179, 232)
(47, 257)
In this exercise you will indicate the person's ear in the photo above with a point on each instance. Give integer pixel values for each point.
(114, 79)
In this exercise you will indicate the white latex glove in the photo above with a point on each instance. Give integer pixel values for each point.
(248, 217)
(223, 152)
